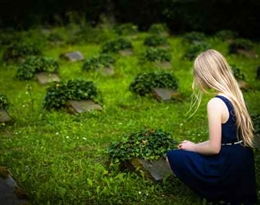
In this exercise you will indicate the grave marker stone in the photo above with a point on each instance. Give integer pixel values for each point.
(165, 64)
(82, 106)
(107, 71)
(126, 52)
(73, 56)
(166, 94)
(153, 169)
(4, 116)
(45, 78)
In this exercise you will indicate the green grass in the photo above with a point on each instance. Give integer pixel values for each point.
(59, 158)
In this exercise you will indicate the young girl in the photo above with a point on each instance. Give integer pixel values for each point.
(221, 168)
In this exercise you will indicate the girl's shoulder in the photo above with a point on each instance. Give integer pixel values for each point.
(216, 104)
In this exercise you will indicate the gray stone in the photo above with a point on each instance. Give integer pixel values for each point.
(4, 116)
(243, 85)
(153, 169)
(126, 52)
(249, 54)
(82, 106)
(73, 56)
(45, 78)
(164, 64)
(107, 71)
(10, 193)
(165, 94)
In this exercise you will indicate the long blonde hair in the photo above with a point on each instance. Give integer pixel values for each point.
(211, 71)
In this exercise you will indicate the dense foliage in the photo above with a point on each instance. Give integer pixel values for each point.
(158, 29)
(156, 54)
(194, 37)
(256, 124)
(195, 49)
(226, 35)
(114, 46)
(20, 50)
(126, 29)
(240, 44)
(60, 92)
(146, 144)
(36, 64)
(3, 102)
(155, 40)
(237, 73)
(143, 83)
(101, 61)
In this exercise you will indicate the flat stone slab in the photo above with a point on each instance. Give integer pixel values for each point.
(164, 64)
(45, 78)
(82, 106)
(73, 56)
(107, 71)
(249, 54)
(152, 169)
(243, 85)
(166, 94)
(4, 116)
(126, 52)
(10, 193)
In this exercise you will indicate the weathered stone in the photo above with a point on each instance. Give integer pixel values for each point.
(10, 193)
(249, 54)
(126, 52)
(73, 56)
(152, 169)
(45, 78)
(107, 71)
(82, 106)
(4, 116)
(243, 85)
(165, 94)
(164, 64)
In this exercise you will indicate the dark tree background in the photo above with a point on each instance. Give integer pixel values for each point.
(181, 15)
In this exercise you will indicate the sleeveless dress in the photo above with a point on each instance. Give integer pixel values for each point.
(227, 176)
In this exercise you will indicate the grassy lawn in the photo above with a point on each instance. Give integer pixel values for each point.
(59, 158)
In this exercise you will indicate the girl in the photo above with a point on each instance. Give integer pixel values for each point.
(221, 168)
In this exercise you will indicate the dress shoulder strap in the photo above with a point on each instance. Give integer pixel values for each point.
(229, 106)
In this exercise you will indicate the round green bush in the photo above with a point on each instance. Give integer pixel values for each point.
(20, 50)
(104, 60)
(156, 54)
(147, 144)
(60, 92)
(237, 73)
(158, 28)
(155, 40)
(126, 29)
(194, 36)
(144, 82)
(195, 49)
(3, 102)
(226, 34)
(36, 64)
(114, 46)
(243, 44)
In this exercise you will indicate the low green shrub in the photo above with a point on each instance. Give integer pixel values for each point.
(226, 34)
(36, 64)
(144, 82)
(237, 73)
(55, 37)
(126, 29)
(240, 44)
(114, 46)
(60, 92)
(4, 103)
(104, 60)
(20, 50)
(258, 73)
(156, 54)
(147, 144)
(194, 36)
(195, 49)
(155, 40)
(158, 28)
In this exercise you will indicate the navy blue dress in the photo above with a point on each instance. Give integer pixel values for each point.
(228, 176)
